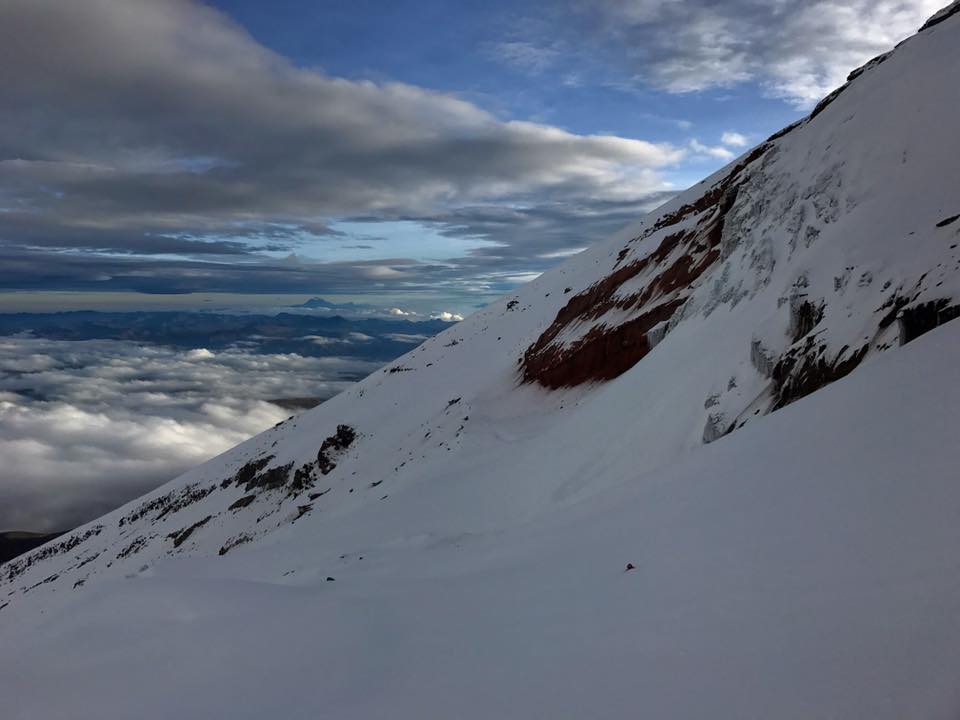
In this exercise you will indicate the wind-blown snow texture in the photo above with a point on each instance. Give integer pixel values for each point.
(450, 537)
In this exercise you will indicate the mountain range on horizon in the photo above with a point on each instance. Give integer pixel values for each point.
(705, 468)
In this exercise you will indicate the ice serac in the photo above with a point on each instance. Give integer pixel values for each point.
(449, 537)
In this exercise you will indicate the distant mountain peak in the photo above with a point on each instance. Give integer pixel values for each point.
(319, 302)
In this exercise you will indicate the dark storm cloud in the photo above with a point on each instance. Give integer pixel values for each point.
(151, 126)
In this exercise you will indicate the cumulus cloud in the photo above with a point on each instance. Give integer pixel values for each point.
(734, 139)
(449, 316)
(200, 354)
(86, 426)
(324, 340)
(799, 51)
(716, 151)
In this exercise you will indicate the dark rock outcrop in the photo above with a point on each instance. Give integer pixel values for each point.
(181, 536)
(332, 446)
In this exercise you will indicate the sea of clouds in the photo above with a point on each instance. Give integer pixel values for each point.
(88, 425)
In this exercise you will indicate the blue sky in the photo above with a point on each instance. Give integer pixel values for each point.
(465, 47)
(382, 148)
(527, 61)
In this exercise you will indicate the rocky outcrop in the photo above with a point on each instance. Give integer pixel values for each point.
(333, 446)
(665, 278)
(13, 544)
(805, 370)
(181, 536)
(21, 565)
(941, 15)
(912, 322)
(717, 426)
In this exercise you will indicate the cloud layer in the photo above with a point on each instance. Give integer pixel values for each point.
(156, 146)
(85, 426)
(161, 128)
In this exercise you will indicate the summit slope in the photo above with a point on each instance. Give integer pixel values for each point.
(448, 537)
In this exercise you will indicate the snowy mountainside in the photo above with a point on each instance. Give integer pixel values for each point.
(487, 489)
(806, 566)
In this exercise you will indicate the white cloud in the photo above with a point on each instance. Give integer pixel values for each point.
(200, 354)
(798, 51)
(29, 363)
(411, 338)
(562, 253)
(734, 139)
(521, 278)
(448, 316)
(359, 337)
(716, 151)
(95, 423)
(324, 146)
(325, 340)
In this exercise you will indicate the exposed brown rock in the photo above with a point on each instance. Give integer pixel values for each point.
(681, 258)
(712, 196)
(602, 354)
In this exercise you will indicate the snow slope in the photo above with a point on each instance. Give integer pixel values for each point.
(804, 567)
(449, 537)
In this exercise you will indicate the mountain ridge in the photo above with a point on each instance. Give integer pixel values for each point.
(468, 517)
